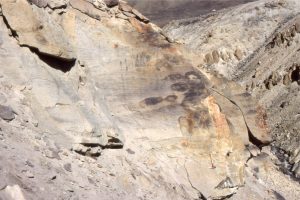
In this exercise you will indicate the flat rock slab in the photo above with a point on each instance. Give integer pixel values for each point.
(36, 29)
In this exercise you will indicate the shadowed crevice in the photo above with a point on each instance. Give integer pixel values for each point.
(64, 65)
(55, 62)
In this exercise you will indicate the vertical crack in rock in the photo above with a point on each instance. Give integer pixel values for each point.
(252, 138)
(201, 196)
(13, 32)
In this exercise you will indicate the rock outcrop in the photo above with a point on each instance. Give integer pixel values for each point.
(100, 103)
(235, 33)
(262, 54)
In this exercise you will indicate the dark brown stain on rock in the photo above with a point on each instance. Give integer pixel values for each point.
(153, 101)
(175, 77)
(180, 87)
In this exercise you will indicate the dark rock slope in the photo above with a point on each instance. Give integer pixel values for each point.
(162, 12)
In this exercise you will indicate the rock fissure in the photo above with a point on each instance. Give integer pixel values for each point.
(55, 62)
(201, 196)
(13, 32)
(252, 138)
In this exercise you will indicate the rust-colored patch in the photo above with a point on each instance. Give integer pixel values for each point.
(185, 143)
(219, 119)
(261, 118)
(150, 35)
(151, 101)
(190, 122)
(140, 27)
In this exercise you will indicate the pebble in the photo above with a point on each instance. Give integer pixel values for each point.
(130, 151)
(29, 174)
(68, 167)
(6, 113)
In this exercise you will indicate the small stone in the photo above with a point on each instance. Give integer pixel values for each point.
(79, 148)
(53, 177)
(238, 54)
(35, 123)
(111, 3)
(296, 170)
(68, 167)
(130, 151)
(209, 58)
(226, 183)
(65, 153)
(286, 79)
(6, 113)
(52, 154)
(224, 56)
(99, 166)
(254, 150)
(216, 56)
(95, 152)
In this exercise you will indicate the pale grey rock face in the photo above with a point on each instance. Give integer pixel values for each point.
(98, 86)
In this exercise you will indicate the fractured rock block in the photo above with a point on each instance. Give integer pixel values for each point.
(28, 21)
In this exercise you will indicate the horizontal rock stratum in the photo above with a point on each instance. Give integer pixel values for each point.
(106, 107)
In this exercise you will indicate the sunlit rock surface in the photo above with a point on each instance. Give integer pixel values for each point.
(105, 106)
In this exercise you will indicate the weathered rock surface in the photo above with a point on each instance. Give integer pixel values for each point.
(263, 56)
(274, 80)
(12, 193)
(40, 32)
(256, 22)
(99, 84)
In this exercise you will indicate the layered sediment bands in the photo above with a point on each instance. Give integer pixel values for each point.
(132, 115)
